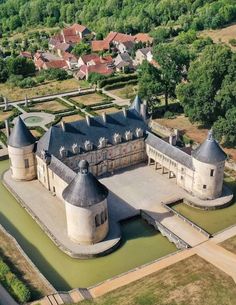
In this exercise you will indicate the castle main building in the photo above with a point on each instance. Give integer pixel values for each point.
(69, 157)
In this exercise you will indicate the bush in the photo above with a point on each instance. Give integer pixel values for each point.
(168, 115)
(27, 82)
(116, 79)
(120, 84)
(233, 42)
(17, 288)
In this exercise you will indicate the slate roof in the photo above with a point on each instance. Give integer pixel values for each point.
(209, 151)
(84, 190)
(169, 150)
(136, 105)
(78, 132)
(20, 135)
(61, 170)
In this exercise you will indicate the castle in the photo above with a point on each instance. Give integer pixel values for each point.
(69, 157)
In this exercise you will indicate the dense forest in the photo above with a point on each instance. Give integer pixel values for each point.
(129, 16)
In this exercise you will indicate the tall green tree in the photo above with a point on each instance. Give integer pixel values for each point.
(173, 61)
(206, 75)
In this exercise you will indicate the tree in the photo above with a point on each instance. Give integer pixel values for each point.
(174, 62)
(20, 66)
(81, 49)
(224, 128)
(149, 83)
(206, 74)
(3, 71)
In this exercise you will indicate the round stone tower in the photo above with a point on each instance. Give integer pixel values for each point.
(86, 207)
(209, 163)
(21, 146)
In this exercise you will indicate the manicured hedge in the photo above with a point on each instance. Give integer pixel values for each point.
(3, 137)
(16, 287)
(120, 84)
(117, 79)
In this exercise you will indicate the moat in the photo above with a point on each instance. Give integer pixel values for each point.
(141, 244)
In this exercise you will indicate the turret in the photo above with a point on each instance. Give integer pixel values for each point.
(21, 145)
(140, 107)
(209, 163)
(86, 207)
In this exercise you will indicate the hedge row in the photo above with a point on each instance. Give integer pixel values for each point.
(3, 137)
(120, 84)
(16, 287)
(159, 111)
(117, 79)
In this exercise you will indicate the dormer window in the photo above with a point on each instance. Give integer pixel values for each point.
(128, 135)
(63, 152)
(139, 132)
(102, 142)
(117, 138)
(75, 148)
(88, 145)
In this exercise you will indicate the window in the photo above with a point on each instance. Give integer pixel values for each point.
(204, 186)
(212, 172)
(26, 163)
(54, 190)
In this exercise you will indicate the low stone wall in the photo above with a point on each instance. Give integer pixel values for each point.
(161, 130)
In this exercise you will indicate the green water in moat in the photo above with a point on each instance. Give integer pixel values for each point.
(212, 221)
(141, 245)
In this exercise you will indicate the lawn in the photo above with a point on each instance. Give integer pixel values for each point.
(72, 118)
(230, 244)
(106, 110)
(5, 115)
(190, 282)
(52, 87)
(222, 35)
(53, 105)
(127, 92)
(36, 133)
(21, 267)
(89, 99)
(193, 131)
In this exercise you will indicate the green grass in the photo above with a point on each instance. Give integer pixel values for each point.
(190, 282)
(230, 244)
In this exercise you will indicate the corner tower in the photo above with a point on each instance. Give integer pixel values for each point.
(140, 107)
(209, 163)
(86, 207)
(21, 146)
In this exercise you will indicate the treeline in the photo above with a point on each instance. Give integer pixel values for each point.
(117, 15)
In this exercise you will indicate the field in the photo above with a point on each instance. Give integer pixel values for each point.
(126, 92)
(190, 282)
(20, 266)
(107, 110)
(193, 131)
(89, 99)
(222, 35)
(53, 105)
(72, 118)
(5, 115)
(52, 87)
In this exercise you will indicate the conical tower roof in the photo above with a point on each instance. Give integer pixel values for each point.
(84, 190)
(136, 104)
(209, 151)
(20, 135)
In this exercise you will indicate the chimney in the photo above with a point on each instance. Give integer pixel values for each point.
(88, 120)
(124, 112)
(7, 128)
(172, 139)
(6, 103)
(104, 117)
(143, 111)
(63, 126)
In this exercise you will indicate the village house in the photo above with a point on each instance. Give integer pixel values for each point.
(46, 60)
(143, 54)
(100, 68)
(123, 61)
(144, 38)
(125, 47)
